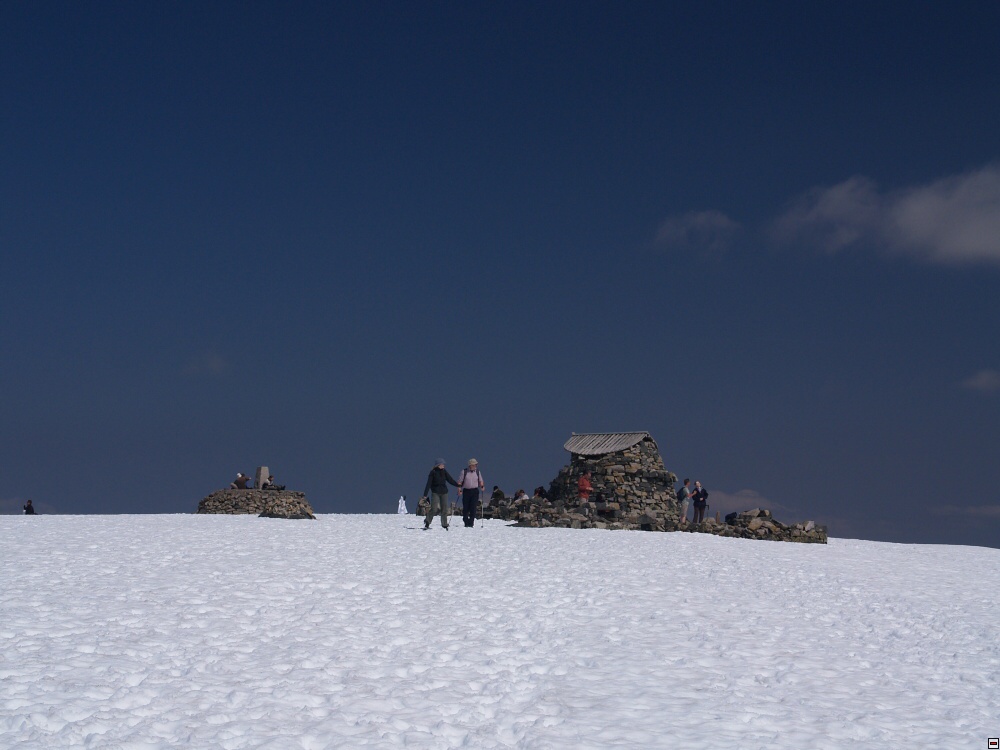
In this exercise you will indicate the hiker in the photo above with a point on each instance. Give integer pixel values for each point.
(29, 509)
(683, 498)
(520, 495)
(240, 483)
(437, 489)
(268, 484)
(541, 494)
(471, 483)
(584, 487)
(700, 496)
(401, 508)
(497, 497)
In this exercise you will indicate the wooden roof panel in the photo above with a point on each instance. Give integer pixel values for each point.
(599, 443)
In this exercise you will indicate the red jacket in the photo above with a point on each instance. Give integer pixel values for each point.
(584, 487)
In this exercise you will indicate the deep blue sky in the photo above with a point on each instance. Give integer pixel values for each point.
(342, 241)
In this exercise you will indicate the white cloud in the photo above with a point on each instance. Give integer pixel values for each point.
(984, 381)
(697, 230)
(955, 220)
(207, 364)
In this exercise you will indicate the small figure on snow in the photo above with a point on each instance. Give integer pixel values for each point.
(700, 497)
(472, 485)
(437, 489)
(683, 498)
(29, 509)
(401, 510)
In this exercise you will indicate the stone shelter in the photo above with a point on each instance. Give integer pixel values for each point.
(632, 488)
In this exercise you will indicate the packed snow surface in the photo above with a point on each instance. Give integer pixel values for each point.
(351, 631)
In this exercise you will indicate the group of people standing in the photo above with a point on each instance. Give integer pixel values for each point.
(470, 484)
(698, 497)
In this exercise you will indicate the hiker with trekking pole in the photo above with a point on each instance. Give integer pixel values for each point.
(471, 483)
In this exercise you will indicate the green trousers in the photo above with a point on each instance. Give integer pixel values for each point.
(437, 501)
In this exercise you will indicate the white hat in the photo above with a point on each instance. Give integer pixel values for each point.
(473, 461)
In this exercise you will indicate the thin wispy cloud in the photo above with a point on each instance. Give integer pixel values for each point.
(983, 512)
(953, 221)
(726, 502)
(210, 364)
(707, 231)
(984, 381)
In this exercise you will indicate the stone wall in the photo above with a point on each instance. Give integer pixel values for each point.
(632, 490)
(266, 503)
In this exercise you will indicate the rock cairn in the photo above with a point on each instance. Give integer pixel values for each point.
(264, 503)
(632, 489)
(760, 524)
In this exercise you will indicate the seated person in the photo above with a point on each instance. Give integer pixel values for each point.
(497, 496)
(541, 493)
(268, 484)
(240, 483)
(521, 495)
(29, 509)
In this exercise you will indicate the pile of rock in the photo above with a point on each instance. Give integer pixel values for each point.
(760, 524)
(265, 503)
(632, 488)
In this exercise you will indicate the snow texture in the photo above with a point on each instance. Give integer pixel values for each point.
(140, 632)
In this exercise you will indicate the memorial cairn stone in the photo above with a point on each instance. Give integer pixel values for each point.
(632, 489)
(263, 503)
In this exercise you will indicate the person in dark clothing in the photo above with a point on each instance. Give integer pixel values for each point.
(240, 483)
(268, 484)
(683, 499)
(29, 509)
(700, 498)
(437, 489)
(497, 497)
(541, 493)
(471, 482)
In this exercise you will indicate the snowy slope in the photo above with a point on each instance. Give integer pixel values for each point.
(239, 632)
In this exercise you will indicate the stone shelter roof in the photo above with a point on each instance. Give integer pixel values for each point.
(599, 443)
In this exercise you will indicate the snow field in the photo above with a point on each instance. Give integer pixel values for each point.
(238, 632)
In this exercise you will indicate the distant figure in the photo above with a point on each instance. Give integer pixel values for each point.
(497, 497)
(268, 484)
(240, 483)
(472, 485)
(401, 510)
(437, 489)
(29, 509)
(541, 493)
(683, 497)
(584, 487)
(520, 495)
(700, 497)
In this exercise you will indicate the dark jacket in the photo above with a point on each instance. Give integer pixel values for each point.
(700, 497)
(29, 510)
(438, 481)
